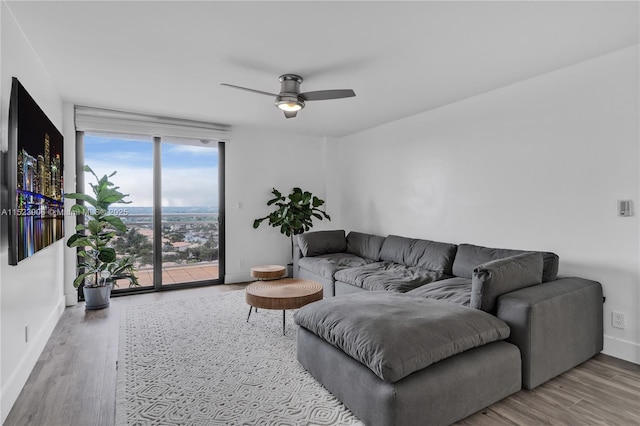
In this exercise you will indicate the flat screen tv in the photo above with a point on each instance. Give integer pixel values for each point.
(35, 182)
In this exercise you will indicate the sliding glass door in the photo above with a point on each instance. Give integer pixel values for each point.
(131, 157)
(189, 210)
(174, 217)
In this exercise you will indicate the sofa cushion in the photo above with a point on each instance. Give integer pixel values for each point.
(387, 276)
(364, 245)
(493, 279)
(326, 265)
(322, 242)
(425, 254)
(454, 290)
(470, 256)
(394, 334)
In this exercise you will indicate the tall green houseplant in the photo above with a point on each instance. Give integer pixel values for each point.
(100, 264)
(294, 213)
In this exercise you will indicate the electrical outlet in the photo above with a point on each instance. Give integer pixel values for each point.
(241, 263)
(617, 319)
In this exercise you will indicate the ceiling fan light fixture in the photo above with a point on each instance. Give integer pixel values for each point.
(289, 106)
(290, 100)
(289, 103)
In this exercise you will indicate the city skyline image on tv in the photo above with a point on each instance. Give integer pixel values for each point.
(38, 214)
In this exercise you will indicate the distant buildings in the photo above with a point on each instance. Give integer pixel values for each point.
(39, 175)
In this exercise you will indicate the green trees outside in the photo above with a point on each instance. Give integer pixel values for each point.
(202, 244)
(206, 252)
(133, 243)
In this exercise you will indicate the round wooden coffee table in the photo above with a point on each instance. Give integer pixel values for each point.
(287, 293)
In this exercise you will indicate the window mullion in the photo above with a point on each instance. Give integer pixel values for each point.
(157, 213)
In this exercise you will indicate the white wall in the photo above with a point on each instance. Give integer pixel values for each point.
(536, 165)
(31, 293)
(70, 257)
(256, 162)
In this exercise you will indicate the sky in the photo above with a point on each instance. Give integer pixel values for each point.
(189, 172)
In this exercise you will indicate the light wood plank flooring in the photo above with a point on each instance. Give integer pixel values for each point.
(74, 381)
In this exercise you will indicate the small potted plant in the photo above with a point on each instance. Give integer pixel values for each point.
(99, 266)
(293, 214)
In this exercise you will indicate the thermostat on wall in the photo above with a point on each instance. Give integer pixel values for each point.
(624, 208)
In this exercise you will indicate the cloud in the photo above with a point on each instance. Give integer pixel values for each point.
(181, 187)
(189, 172)
(192, 149)
(191, 187)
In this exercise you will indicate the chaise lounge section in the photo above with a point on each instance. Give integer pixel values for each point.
(387, 288)
(389, 375)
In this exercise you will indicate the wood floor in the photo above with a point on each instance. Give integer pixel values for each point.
(74, 381)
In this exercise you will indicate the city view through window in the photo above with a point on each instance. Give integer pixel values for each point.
(189, 206)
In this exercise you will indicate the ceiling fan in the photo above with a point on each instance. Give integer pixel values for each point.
(290, 100)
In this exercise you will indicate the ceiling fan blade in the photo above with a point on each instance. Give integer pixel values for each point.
(260, 92)
(290, 114)
(322, 95)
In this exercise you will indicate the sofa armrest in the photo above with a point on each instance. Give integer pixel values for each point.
(557, 325)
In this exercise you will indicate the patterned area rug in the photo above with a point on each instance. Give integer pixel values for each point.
(198, 362)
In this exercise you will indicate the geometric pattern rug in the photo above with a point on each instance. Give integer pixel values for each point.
(198, 362)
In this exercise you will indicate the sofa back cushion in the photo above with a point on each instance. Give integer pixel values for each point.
(426, 254)
(322, 242)
(470, 256)
(497, 277)
(364, 245)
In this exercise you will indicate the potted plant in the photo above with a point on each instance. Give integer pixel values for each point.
(293, 214)
(99, 266)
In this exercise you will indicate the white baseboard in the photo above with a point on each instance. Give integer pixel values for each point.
(14, 384)
(238, 278)
(623, 349)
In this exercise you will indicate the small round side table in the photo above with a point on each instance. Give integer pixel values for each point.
(268, 272)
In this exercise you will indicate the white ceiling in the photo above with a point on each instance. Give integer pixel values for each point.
(401, 58)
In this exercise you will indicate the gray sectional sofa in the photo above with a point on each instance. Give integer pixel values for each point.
(423, 332)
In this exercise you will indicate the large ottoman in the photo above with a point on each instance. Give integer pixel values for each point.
(397, 360)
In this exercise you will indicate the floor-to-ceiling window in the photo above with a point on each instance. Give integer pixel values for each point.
(174, 214)
(190, 213)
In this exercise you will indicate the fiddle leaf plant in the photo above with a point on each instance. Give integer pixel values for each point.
(294, 213)
(100, 262)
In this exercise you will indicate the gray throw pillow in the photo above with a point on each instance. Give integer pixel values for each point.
(493, 279)
(366, 246)
(469, 256)
(322, 242)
